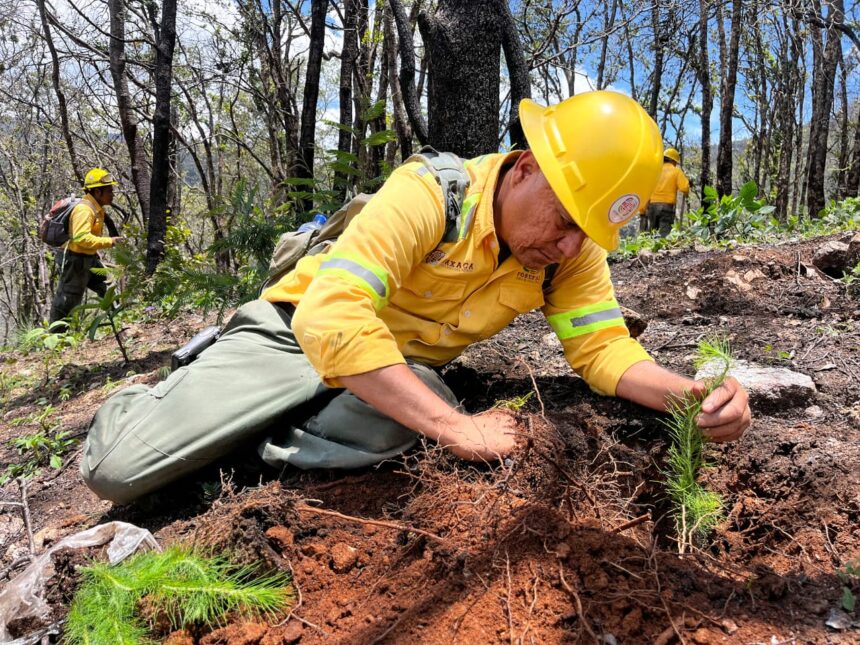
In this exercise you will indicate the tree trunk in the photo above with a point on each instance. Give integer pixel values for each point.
(348, 56)
(518, 72)
(659, 44)
(61, 96)
(704, 72)
(823, 81)
(842, 173)
(401, 119)
(307, 140)
(852, 180)
(128, 121)
(727, 103)
(161, 137)
(608, 24)
(463, 41)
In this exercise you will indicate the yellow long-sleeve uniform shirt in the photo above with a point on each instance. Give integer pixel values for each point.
(389, 289)
(672, 181)
(85, 227)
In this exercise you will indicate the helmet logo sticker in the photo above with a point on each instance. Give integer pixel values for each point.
(623, 208)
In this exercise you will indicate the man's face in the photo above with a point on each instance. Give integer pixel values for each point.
(535, 226)
(104, 195)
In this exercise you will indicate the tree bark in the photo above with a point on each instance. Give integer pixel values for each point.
(401, 118)
(160, 209)
(518, 72)
(463, 41)
(704, 72)
(823, 81)
(307, 139)
(61, 96)
(348, 56)
(659, 45)
(128, 121)
(411, 97)
(727, 104)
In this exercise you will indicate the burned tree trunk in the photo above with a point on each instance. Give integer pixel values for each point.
(727, 103)
(463, 40)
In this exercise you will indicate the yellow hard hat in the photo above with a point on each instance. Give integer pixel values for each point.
(672, 154)
(98, 177)
(602, 155)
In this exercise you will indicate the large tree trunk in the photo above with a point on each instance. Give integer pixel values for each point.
(785, 126)
(727, 103)
(161, 137)
(823, 81)
(703, 70)
(463, 41)
(128, 121)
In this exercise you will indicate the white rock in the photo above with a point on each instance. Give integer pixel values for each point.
(771, 385)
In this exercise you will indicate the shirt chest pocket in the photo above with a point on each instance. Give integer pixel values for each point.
(521, 299)
(430, 296)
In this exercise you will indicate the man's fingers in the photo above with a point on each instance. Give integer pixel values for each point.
(720, 396)
(728, 431)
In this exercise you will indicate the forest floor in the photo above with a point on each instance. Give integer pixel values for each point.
(545, 548)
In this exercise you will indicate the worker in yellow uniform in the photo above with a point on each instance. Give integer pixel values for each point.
(79, 256)
(660, 215)
(335, 366)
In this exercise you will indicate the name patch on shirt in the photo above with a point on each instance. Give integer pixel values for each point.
(529, 276)
(437, 258)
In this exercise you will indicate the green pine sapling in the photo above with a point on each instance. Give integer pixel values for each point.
(178, 584)
(697, 511)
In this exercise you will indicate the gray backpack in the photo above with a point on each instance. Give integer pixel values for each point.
(449, 173)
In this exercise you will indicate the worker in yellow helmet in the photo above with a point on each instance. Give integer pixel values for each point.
(660, 215)
(79, 256)
(357, 331)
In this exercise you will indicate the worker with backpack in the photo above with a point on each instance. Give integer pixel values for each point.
(335, 365)
(77, 228)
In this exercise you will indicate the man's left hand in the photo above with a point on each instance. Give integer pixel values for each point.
(725, 412)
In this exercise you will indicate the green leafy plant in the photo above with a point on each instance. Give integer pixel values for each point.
(739, 216)
(696, 510)
(50, 341)
(104, 312)
(39, 449)
(179, 585)
(848, 575)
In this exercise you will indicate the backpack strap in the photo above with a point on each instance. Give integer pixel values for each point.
(452, 177)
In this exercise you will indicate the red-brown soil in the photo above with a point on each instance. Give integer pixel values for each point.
(538, 549)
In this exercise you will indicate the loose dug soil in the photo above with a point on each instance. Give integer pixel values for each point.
(567, 541)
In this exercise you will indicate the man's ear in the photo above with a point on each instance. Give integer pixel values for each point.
(525, 166)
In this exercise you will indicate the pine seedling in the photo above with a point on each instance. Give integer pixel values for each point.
(180, 585)
(697, 511)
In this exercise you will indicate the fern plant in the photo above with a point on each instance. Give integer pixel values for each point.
(697, 511)
(178, 585)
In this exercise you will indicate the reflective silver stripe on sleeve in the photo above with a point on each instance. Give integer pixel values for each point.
(357, 270)
(597, 316)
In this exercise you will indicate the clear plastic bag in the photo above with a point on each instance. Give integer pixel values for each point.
(23, 596)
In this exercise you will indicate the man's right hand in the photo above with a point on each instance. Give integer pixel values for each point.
(488, 436)
(116, 240)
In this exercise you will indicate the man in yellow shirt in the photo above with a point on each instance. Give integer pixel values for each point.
(334, 365)
(79, 255)
(661, 209)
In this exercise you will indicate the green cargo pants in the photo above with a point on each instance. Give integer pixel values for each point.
(661, 217)
(75, 277)
(238, 390)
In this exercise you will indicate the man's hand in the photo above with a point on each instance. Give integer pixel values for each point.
(725, 412)
(488, 436)
(116, 239)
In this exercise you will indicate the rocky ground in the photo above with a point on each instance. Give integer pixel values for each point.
(568, 541)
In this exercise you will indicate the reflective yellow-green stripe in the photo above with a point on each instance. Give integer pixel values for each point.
(467, 214)
(585, 320)
(367, 276)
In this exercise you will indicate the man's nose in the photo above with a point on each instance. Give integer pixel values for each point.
(571, 244)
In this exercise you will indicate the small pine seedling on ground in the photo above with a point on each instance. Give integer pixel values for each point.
(178, 584)
(697, 511)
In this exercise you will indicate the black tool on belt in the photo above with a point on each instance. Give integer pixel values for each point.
(192, 349)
